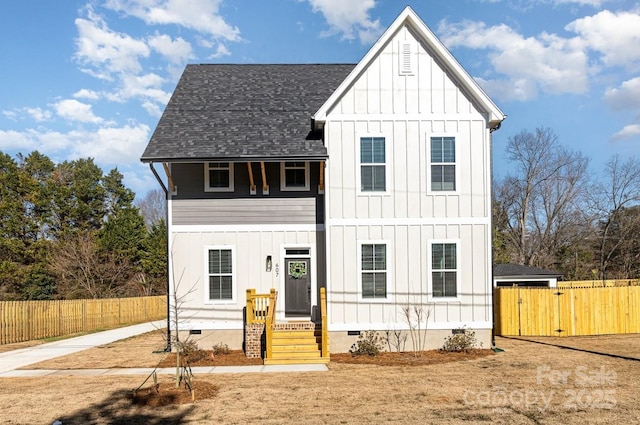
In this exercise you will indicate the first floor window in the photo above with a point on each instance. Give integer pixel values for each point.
(218, 177)
(443, 164)
(444, 272)
(374, 271)
(220, 274)
(373, 167)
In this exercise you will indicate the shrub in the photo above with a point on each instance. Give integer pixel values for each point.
(220, 348)
(463, 340)
(190, 352)
(369, 343)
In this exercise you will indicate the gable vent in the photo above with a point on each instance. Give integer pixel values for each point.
(406, 58)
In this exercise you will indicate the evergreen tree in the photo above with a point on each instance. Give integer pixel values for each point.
(78, 199)
(154, 259)
(11, 246)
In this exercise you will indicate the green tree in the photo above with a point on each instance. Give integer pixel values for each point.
(36, 177)
(123, 231)
(153, 278)
(122, 236)
(11, 245)
(78, 199)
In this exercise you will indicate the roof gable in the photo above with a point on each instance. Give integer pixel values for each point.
(439, 52)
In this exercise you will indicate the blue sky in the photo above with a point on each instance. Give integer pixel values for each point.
(91, 78)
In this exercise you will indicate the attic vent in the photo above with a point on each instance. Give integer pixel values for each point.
(406, 58)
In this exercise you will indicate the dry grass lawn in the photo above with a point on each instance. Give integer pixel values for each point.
(528, 383)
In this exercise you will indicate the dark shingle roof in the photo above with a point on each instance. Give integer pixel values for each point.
(244, 111)
(520, 270)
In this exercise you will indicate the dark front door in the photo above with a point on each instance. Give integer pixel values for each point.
(297, 287)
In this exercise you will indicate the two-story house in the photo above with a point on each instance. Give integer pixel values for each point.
(371, 180)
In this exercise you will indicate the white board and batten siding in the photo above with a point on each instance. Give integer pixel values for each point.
(251, 245)
(407, 104)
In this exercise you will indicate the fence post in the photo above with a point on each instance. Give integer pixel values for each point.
(249, 311)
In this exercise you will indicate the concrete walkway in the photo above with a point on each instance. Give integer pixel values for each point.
(10, 361)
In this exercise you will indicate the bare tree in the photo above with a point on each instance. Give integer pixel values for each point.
(153, 207)
(86, 271)
(542, 200)
(611, 199)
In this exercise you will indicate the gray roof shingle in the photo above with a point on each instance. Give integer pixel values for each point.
(238, 112)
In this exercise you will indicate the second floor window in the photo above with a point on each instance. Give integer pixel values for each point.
(443, 164)
(373, 167)
(218, 177)
(294, 176)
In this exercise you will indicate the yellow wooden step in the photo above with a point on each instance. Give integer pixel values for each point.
(294, 334)
(295, 354)
(296, 361)
(292, 340)
(295, 348)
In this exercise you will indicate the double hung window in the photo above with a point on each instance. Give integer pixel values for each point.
(443, 164)
(373, 168)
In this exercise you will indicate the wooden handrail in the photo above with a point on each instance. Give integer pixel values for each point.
(257, 307)
(325, 325)
(269, 322)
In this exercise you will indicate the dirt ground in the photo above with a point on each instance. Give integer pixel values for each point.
(528, 383)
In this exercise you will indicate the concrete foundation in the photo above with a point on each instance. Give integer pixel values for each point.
(341, 342)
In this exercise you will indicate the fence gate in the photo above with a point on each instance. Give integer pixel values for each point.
(526, 312)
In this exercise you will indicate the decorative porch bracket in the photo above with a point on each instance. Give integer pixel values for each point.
(172, 187)
(252, 187)
(265, 186)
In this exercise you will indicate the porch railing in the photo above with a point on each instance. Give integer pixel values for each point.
(325, 327)
(257, 306)
(261, 308)
(270, 320)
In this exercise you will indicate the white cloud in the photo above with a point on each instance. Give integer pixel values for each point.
(73, 110)
(549, 63)
(17, 140)
(628, 132)
(152, 109)
(37, 114)
(220, 52)
(87, 94)
(616, 36)
(12, 115)
(108, 145)
(594, 3)
(145, 87)
(349, 18)
(106, 50)
(626, 96)
(177, 51)
(199, 15)
(112, 145)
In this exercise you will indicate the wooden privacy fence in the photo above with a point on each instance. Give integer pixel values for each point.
(29, 320)
(567, 311)
(598, 283)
